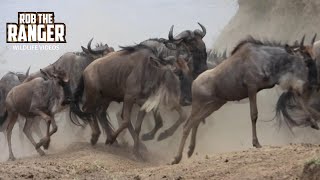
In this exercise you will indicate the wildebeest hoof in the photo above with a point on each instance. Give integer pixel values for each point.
(12, 158)
(315, 126)
(147, 137)
(109, 141)
(176, 160)
(41, 153)
(46, 144)
(257, 145)
(94, 139)
(190, 152)
(163, 136)
(138, 155)
(143, 147)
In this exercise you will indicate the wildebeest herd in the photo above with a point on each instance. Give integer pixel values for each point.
(159, 74)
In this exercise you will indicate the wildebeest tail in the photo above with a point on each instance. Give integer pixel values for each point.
(3, 118)
(106, 124)
(75, 107)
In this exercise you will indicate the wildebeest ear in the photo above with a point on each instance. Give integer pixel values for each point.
(85, 50)
(288, 49)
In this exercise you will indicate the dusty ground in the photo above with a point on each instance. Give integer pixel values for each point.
(81, 161)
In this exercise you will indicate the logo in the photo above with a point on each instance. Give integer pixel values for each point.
(36, 27)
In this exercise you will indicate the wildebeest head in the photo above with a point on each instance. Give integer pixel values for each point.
(61, 78)
(182, 62)
(99, 51)
(185, 76)
(194, 42)
(55, 74)
(306, 53)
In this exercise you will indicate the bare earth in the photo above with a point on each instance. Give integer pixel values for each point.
(82, 161)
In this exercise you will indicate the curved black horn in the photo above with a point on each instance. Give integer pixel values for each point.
(97, 52)
(27, 73)
(204, 31)
(302, 40)
(170, 36)
(313, 39)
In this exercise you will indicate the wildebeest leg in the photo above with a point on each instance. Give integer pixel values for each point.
(198, 113)
(36, 127)
(12, 118)
(174, 127)
(28, 133)
(102, 115)
(119, 116)
(158, 124)
(54, 130)
(254, 117)
(95, 131)
(45, 140)
(127, 107)
(21, 123)
(140, 117)
(193, 139)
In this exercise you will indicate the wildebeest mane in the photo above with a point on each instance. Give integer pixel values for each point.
(81, 54)
(136, 47)
(142, 46)
(252, 40)
(99, 45)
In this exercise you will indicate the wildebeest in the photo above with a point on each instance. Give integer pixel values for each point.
(39, 97)
(253, 65)
(193, 40)
(73, 63)
(7, 82)
(144, 74)
(289, 104)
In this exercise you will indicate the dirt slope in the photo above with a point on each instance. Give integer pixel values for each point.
(285, 20)
(81, 161)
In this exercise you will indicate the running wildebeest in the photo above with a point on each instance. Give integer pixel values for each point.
(288, 103)
(145, 74)
(73, 63)
(7, 82)
(193, 40)
(39, 97)
(253, 65)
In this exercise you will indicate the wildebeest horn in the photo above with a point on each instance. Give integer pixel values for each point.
(27, 73)
(302, 40)
(314, 39)
(98, 52)
(204, 31)
(170, 36)
(185, 35)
